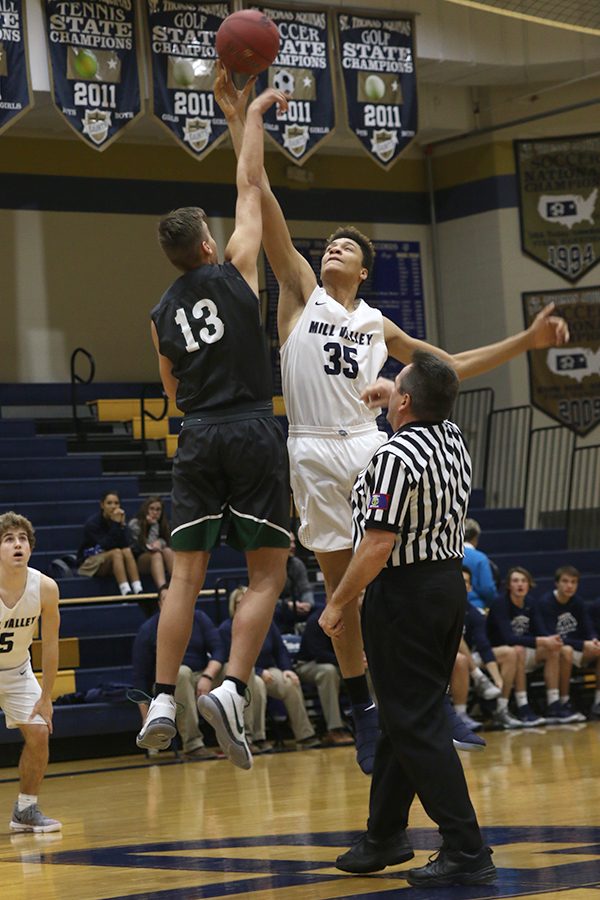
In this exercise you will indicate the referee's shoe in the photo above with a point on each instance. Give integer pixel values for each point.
(223, 708)
(454, 867)
(370, 855)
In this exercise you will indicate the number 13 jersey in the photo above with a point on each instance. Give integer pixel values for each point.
(208, 325)
(328, 360)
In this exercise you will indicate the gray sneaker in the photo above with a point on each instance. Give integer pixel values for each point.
(32, 819)
(503, 719)
(223, 708)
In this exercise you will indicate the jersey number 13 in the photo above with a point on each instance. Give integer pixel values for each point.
(211, 330)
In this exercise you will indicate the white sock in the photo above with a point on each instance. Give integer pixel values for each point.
(477, 675)
(125, 588)
(552, 696)
(25, 800)
(460, 708)
(501, 703)
(521, 698)
(564, 700)
(137, 587)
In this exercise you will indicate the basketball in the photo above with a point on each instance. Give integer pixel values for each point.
(247, 41)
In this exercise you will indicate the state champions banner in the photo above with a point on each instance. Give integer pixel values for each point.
(559, 203)
(94, 66)
(303, 68)
(564, 382)
(380, 84)
(15, 93)
(182, 49)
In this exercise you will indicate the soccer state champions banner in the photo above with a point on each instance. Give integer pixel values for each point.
(15, 96)
(94, 66)
(182, 49)
(565, 381)
(559, 205)
(303, 68)
(378, 72)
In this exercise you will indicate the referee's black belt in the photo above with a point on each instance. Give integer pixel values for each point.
(236, 413)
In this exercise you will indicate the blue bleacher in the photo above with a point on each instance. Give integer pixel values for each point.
(54, 489)
(17, 428)
(27, 447)
(541, 563)
(495, 542)
(83, 467)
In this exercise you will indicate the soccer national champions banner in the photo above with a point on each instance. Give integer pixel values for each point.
(565, 381)
(15, 96)
(380, 84)
(182, 48)
(303, 68)
(559, 206)
(94, 66)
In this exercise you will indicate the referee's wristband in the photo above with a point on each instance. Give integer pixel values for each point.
(206, 675)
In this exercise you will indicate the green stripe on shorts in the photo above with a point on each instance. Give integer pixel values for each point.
(197, 535)
(247, 533)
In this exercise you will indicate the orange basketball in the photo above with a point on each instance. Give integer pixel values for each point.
(247, 41)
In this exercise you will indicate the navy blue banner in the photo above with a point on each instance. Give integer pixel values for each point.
(94, 66)
(15, 95)
(378, 69)
(303, 68)
(182, 48)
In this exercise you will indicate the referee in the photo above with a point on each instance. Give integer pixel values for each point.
(409, 507)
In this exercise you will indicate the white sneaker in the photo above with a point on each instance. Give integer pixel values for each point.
(159, 728)
(485, 688)
(223, 708)
(503, 719)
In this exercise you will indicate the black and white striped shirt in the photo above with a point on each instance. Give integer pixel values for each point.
(418, 485)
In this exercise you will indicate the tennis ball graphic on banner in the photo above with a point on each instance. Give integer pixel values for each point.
(374, 87)
(183, 72)
(86, 64)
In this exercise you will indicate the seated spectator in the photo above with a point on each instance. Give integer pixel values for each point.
(296, 599)
(565, 612)
(105, 548)
(317, 664)
(514, 620)
(275, 678)
(483, 586)
(593, 609)
(150, 534)
(201, 665)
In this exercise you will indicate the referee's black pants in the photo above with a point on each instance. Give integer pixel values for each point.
(412, 624)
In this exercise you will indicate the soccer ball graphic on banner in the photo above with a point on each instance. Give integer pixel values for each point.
(284, 81)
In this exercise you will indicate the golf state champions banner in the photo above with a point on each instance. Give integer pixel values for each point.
(303, 68)
(94, 66)
(565, 381)
(183, 54)
(559, 204)
(15, 95)
(378, 72)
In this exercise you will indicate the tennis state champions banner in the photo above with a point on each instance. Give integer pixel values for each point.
(559, 205)
(15, 95)
(94, 66)
(182, 50)
(378, 71)
(565, 381)
(303, 68)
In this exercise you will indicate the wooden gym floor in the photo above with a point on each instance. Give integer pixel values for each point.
(188, 830)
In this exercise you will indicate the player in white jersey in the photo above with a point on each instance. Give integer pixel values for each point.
(25, 596)
(330, 361)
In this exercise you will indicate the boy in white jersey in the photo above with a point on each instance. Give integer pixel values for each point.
(25, 596)
(332, 348)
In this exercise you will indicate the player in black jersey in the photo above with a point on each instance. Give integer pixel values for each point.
(231, 452)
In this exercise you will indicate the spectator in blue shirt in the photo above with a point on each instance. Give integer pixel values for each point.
(514, 620)
(105, 547)
(483, 586)
(200, 666)
(566, 613)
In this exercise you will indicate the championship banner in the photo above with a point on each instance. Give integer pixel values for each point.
(94, 66)
(15, 94)
(380, 84)
(303, 68)
(559, 209)
(565, 381)
(182, 49)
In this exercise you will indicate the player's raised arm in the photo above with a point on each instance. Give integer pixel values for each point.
(294, 274)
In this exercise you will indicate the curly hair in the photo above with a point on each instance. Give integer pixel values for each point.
(12, 521)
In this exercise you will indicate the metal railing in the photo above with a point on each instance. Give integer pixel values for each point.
(583, 501)
(77, 379)
(507, 456)
(547, 486)
(146, 413)
(471, 413)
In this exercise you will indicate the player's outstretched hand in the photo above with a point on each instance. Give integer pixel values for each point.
(378, 394)
(232, 101)
(265, 100)
(547, 330)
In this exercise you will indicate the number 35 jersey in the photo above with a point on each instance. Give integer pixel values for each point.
(328, 360)
(208, 324)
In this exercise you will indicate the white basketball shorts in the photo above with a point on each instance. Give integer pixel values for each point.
(19, 692)
(324, 463)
